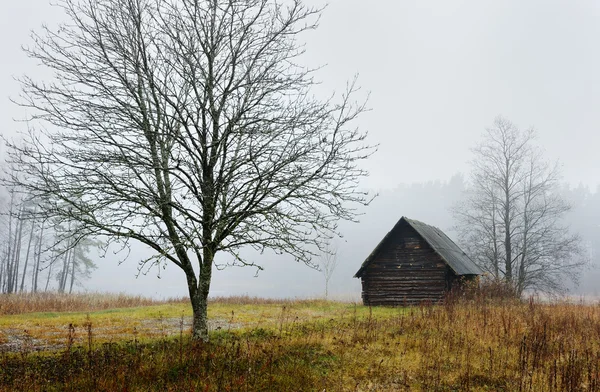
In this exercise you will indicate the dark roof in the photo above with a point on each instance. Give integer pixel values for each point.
(458, 260)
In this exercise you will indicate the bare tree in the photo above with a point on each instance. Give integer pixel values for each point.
(37, 259)
(4, 239)
(511, 222)
(190, 127)
(21, 234)
(328, 261)
(16, 222)
(32, 226)
(75, 264)
(82, 265)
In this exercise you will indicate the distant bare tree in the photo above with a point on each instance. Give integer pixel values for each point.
(37, 258)
(17, 230)
(13, 240)
(4, 240)
(190, 127)
(74, 262)
(511, 222)
(32, 227)
(25, 250)
(328, 261)
(27, 244)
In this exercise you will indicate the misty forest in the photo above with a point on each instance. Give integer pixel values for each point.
(235, 195)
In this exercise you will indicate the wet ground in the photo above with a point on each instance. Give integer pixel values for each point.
(58, 338)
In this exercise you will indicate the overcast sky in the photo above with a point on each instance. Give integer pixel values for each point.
(438, 73)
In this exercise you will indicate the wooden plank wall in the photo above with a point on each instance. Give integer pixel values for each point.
(405, 271)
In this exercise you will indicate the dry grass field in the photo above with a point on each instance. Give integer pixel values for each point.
(271, 345)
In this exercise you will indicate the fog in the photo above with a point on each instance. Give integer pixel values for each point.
(437, 74)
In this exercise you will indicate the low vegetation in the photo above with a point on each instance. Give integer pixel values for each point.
(57, 302)
(268, 345)
(89, 302)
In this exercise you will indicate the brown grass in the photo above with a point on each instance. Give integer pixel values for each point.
(11, 304)
(476, 345)
(55, 302)
(248, 300)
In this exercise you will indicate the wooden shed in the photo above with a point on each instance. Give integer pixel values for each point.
(413, 263)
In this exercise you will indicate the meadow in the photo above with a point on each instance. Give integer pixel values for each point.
(120, 343)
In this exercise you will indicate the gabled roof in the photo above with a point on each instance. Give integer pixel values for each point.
(458, 260)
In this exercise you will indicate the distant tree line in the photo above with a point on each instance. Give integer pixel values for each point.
(34, 256)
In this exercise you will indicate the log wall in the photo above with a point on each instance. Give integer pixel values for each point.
(406, 270)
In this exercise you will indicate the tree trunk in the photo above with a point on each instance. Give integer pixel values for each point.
(8, 268)
(521, 278)
(2, 262)
(38, 256)
(16, 254)
(48, 277)
(496, 258)
(200, 316)
(72, 271)
(199, 297)
(64, 273)
(27, 256)
(524, 252)
(507, 228)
